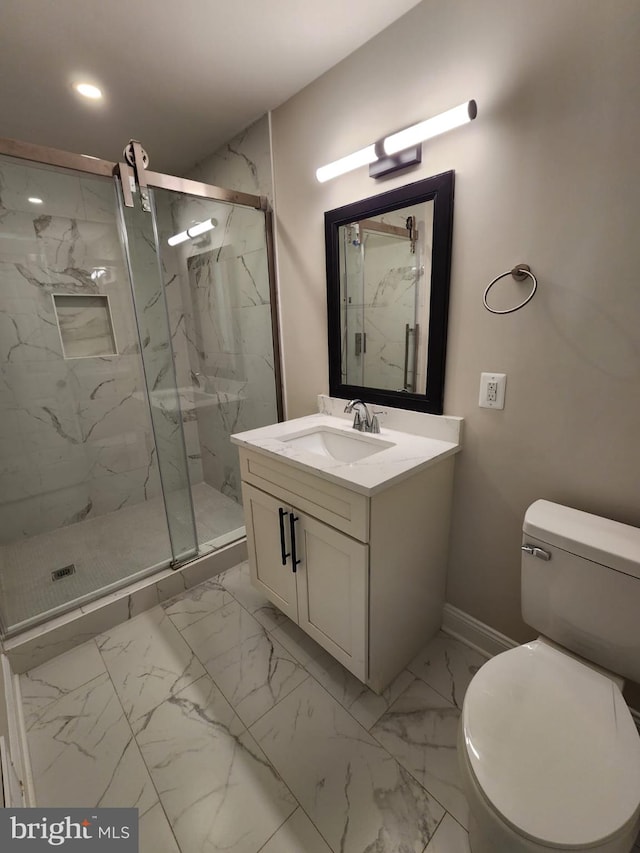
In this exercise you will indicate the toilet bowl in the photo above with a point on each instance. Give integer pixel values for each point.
(549, 753)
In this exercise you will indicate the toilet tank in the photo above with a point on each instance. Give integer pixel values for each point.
(581, 584)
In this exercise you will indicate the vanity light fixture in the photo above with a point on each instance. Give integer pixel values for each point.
(34, 200)
(347, 164)
(401, 149)
(193, 231)
(431, 127)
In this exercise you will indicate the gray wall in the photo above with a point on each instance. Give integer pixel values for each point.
(546, 175)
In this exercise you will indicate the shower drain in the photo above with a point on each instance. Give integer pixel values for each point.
(64, 572)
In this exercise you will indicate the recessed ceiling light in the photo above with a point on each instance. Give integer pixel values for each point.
(34, 200)
(88, 90)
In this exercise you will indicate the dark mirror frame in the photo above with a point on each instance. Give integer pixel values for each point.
(438, 188)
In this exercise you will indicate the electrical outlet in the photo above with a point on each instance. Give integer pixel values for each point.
(492, 390)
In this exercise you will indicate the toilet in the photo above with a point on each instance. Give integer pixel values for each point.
(548, 750)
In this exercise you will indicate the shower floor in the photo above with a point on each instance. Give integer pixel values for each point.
(104, 551)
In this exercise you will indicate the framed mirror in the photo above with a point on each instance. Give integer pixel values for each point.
(388, 268)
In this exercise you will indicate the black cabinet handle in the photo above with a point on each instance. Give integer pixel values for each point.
(292, 527)
(281, 514)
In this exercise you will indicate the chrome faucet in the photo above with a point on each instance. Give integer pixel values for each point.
(367, 424)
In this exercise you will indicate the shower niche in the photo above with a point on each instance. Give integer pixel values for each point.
(85, 325)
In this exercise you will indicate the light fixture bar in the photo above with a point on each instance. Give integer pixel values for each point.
(193, 231)
(201, 227)
(346, 164)
(431, 127)
(178, 238)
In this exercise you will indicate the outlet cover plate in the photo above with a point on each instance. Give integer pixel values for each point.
(492, 390)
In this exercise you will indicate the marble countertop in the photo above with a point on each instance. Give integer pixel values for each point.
(408, 454)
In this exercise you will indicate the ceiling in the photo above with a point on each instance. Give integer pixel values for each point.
(182, 77)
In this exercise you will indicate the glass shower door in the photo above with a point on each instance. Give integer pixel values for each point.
(81, 506)
(221, 304)
(148, 285)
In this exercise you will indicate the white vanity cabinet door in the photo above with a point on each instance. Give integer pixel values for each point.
(333, 591)
(262, 519)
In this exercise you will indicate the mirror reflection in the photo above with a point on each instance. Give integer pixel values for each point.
(388, 265)
(385, 281)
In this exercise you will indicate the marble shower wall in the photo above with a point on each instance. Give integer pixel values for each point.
(75, 440)
(221, 324)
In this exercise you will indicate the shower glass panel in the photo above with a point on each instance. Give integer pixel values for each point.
(220, 311)
(80, 491)
(149, 282)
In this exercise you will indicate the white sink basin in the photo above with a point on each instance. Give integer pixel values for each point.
(337, 444)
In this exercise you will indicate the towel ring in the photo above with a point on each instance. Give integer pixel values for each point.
(520, 273)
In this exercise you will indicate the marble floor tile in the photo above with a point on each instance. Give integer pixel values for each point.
(362, 703)
(356, 794)
(238, 582)
(148, 661)
(255, 675)
(448, 666)
(221, 631)
(297, 835)
(196, 603)
(217, 788)
(59, 676)
(303, 647)
(420, 730)
(154, 832)
(251, 668)
(83, 752)
(450, 837)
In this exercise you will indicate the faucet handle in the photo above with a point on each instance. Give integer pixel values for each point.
(375, 424)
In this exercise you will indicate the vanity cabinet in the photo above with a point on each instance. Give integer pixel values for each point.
(369, 575)
(315, 574)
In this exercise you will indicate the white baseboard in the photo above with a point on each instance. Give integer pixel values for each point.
(474, 633)
(484, 639)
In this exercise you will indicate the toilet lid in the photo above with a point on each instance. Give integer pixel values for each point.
(553, 746)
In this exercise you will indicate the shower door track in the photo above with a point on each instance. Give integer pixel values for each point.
(105, 168)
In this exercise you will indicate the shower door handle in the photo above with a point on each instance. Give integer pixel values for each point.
(405, 377)
(294, 557)
(416, 337)
(408, 332)
(283, 548)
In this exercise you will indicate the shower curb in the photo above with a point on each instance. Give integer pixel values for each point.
(38, 645)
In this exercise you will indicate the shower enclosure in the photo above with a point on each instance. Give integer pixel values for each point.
(137, 332)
